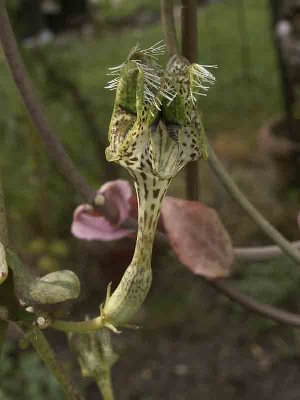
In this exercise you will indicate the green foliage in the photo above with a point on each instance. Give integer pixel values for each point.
(241, 99)
(25, 377)
(126, 9)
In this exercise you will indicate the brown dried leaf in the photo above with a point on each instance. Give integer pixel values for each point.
(198, 237)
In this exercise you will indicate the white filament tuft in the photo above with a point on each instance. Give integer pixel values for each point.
(200, 79)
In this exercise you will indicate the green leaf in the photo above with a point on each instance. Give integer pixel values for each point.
(55, 287)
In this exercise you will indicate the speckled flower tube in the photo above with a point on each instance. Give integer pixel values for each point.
(154, 131)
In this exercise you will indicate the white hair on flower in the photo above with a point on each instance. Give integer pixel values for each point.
(200, 79)
(153, 88)
(158, 49)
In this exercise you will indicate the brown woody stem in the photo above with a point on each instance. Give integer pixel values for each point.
(273, 313)
(189, 51)
(168, 26)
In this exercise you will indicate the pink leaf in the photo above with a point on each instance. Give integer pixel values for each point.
(198, 237)
(90, 225)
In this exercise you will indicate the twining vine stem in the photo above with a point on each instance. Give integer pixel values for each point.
(41, 345)
(261, 253)
(189, 51)
(249, 303)
(168, 26)
(108, 359)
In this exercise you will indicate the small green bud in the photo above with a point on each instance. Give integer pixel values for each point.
(53, 288)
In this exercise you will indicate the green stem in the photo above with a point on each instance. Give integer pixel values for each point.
(43, 348)
(92, 325)
(108, 359)
(96, 358)
(104, 384)
(253, 213)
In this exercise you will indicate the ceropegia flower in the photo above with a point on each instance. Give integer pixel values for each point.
(155, 130)
(156, 127)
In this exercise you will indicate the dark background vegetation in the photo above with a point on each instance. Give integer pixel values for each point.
(194, 343)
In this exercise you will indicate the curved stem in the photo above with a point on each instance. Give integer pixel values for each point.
(43, 348)
(248, 302)
(96, 358)
(261, 253)
(253, 213)
(168, 26)
(108, 359)
(103, 380)
(78, 327)
(33, 105)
